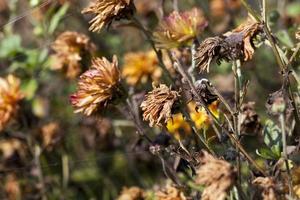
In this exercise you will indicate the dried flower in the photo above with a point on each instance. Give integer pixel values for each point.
(203, 90)
(268, 186)
(70, 49)
(219, 8)
(106, 11)
(170, 193)
(250, 121)
(179, 28)
(157, 107)
(9, 147)
(140, 67)
(278, 102)
(132, 193)
(234, 45)
(12, 187)
(217, 175)
(50, 134)
(10, 96)
(97, 87)
(178, 127)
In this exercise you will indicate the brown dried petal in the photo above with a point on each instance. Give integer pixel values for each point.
(170, 193)
(132, 193)
(158, 104)
(250, 121)
(268, 186)
(217, 175)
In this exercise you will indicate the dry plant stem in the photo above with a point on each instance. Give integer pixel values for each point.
(37, 155)
(211, 115)
(237, 90)
(284, 150)
(157, 52)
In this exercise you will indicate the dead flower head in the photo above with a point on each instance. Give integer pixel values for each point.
(140, 67)
(179, 28)
(268, 186)
(170, 193)
(10, 96)
(106, 11)
(250, 121)
(70, 49)
(217, 175)
(50, 134)
(234, 45)
(97, 87)
(278, 102)
(158, 104)
(132, 193)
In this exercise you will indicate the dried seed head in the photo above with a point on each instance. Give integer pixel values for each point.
(217, 175)
(234, 45)
(268, 185)
(106, 11)
(70, 49)
(170, 193)
(250, 121)
(140, 67)
(132, 193)
(158, 104)
(203, 89)
(97, 87)
(278, 102)
(10, 96)
(179, 28)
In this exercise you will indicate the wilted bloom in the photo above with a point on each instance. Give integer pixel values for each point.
(105, 11)
(233, 45)
(97, 87)
(217, 175)
(250, 121)
(158, 104)
(50, 134)
(268, 185)
(140, 67)
(132, 193)
(178, 126)
(10, 96)
(170, 193)
(179, 28)
(219, 8)
(70, 50)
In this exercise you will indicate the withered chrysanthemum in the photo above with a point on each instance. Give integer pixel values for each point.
(157, 107)
(132, 193)
(97, 86)
(234, 45)
(140, 67)
(217, 175)
(10, 95)
(170, 193)
(70, 49)
(179, 28)
(268, 185)
(105, 11)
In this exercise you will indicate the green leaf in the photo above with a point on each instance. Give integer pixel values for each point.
(10, 46)
(266, 154)
(293, 9)
(54, 22)
(29, 88)
(284, 37)
(272, 137)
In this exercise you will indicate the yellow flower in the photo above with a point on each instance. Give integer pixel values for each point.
(178, 126)
(105, 11)
(140, 67)
(97, 87)
(179, 28)
(70, 47)
(10, 95)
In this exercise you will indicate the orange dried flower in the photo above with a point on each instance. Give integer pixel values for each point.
(10, 96)
(220, 8)
(158, 104)
(97, 87)
(70, 48)
(105, 11)
(217, 175)
(140, 67)
(50, 134)
(170, 193)
(268, 185)
(179, 28)
(132, 193)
